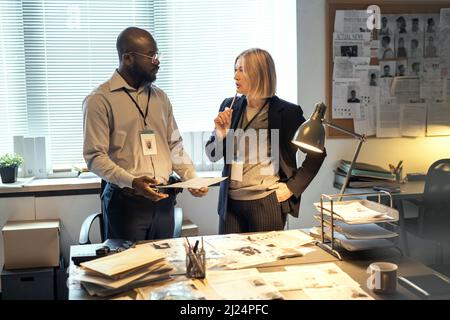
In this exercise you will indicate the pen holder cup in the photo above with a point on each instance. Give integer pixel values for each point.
(196, 265)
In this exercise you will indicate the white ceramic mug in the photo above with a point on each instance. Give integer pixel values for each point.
(383, 277)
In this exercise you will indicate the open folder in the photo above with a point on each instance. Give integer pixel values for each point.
(195, 183)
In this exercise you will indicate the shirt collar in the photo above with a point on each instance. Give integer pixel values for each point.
(117, 82)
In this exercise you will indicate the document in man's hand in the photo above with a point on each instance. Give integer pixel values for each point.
(195, 183)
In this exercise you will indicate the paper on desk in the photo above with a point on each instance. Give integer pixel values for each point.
(119, 263)
(245, 284)
(100, 291)
(240, 252)
(283, 239)
(337, 293)
(195, 183)
(243, 251)
(152, 272)
(174, 249)
(323, 275)
(353, 211)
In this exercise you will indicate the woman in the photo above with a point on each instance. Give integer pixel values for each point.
(264, 182)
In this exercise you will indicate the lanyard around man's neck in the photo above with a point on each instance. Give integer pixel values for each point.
(144, 116)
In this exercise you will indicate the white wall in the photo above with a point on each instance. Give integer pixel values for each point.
(201, 211)
(417, 153)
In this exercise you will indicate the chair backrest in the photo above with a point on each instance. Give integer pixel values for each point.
(437, 185)
(436, 202)
(85, 230)
(84, 237)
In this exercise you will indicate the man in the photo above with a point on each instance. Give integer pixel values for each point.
(414, 52)
(384, 31)
(430, 26)
(120, 116)
(415, 25)
(353, 98)
(386, 72)
(388, 53)
(373, 80)
(401, 24)
(430, 50)
(415, 69)
(401, 70)
(401, 50)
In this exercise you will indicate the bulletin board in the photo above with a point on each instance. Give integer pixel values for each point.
(387, 7)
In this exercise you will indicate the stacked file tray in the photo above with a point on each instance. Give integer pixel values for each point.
(355, 225)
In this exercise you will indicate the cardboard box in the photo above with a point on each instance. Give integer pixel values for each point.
(31, 244)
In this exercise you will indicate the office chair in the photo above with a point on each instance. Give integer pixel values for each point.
(87, 223)
(433, 222)
(86, 226)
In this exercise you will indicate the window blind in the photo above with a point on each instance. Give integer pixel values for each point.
(56, 52)
(13, 107)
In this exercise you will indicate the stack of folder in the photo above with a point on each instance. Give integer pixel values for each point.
(119, 272)
(363, 175)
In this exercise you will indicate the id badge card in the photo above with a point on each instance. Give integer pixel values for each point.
(237, 170)
(148, 142)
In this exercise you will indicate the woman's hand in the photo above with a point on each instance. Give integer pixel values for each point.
(223, 122)
(283, 192)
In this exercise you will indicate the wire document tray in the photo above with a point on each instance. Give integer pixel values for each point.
(355, 225)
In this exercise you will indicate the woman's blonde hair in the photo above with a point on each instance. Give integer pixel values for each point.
(259, 69)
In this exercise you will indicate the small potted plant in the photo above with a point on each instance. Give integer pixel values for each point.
(9, 166)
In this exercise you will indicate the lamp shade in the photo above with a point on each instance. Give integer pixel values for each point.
(311, 134)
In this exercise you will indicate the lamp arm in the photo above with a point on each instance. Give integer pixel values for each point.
(349, 173)
(361, 139)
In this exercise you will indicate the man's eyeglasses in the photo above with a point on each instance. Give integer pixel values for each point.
(156, 57)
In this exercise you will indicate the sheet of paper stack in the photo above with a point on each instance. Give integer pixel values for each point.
(123, 271)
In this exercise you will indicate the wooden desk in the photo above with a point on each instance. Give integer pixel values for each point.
(355, 265)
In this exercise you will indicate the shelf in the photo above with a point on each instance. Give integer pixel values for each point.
(365, 211)
(361, 232)
(353, 245)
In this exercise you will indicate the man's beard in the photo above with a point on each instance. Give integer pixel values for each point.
(141, 76)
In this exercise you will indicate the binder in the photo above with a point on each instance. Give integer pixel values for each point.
(41, 157)
(18, 149)
(361, 169)
(358, 182)
(29, 157)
